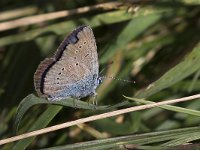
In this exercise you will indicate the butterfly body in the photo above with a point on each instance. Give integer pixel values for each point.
(73, 70)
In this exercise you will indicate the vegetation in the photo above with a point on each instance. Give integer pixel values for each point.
(154, 43)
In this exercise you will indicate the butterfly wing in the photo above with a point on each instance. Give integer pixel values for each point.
(70, 72)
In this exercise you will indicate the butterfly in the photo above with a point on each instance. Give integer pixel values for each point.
(73, 71)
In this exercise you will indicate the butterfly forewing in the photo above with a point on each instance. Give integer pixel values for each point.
(84, 51)
(72, 68)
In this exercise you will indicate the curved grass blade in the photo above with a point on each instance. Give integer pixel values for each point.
(32, 100)
(41, 122)
(188, 66)
(137, 140)
(168, 107)
(183, 139)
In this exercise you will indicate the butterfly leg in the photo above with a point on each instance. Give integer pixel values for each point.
(95, 102)
(88, 101)
(75, 101)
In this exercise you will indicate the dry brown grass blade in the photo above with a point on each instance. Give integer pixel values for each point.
(14, 13)
(55, 15)
(95, 117)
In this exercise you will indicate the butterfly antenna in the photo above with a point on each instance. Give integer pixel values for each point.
(104, 77)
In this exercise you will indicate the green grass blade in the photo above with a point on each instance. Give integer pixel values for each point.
(32, 100)
(168, 107)
(139, 139)
(188, 66)
(41, 122)
(183, 139)
(133, 29)
(67, 26)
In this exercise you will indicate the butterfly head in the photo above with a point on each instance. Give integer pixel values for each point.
(97, 80)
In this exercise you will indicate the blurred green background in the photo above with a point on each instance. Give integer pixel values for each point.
(154, 43)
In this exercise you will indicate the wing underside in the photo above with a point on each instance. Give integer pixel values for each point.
(75, 59)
